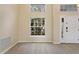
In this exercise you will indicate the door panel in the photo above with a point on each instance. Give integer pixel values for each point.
(70, 29)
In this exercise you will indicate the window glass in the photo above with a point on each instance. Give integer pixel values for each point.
(38, 7)
(68, 7)
(38, 26)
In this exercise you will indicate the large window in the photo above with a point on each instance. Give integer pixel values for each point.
(38, 7)
(37, 26)
(68, 7)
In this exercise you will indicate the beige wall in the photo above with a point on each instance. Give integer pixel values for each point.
(14, 23)
(8, 24)
(24, 20)
(52, 15)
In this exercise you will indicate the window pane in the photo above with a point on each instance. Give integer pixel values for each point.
(68, 7)
(38, 7)
(39, 27)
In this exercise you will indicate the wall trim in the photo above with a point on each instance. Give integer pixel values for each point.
(56, 42)
(3, 52)
(34, 41)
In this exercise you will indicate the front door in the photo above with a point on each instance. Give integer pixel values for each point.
(69, 29)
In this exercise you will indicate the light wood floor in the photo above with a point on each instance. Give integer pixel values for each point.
(44, 48)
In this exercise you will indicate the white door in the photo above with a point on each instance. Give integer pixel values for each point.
(69, 29)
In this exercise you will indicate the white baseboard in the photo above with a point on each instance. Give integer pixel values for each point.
(56, 43)
(3, 52)
(32, 41)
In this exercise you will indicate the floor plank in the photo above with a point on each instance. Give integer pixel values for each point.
(44, 48)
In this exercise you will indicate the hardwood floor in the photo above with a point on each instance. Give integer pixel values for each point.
(44, 48)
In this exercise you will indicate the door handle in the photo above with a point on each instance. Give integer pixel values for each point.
(62, 20)
(66, 29)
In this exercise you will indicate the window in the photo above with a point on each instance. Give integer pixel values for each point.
(38, 7)
(68, 7)
(37, 26)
